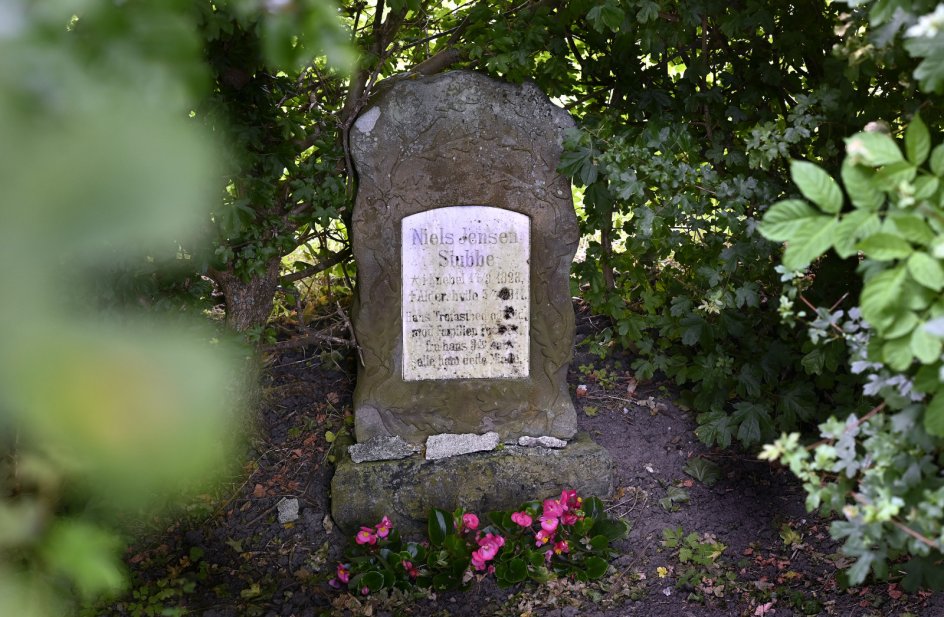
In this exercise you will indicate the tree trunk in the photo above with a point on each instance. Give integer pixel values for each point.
(248, 302)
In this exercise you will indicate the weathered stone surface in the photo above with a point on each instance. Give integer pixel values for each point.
(544, 441)
(287, 508)
(460, 139)
(406, 489)
(380, 448)
(445, 445)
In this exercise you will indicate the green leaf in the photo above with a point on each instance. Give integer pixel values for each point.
(926, 187)
(817, 186)
(746, 295)
(447, 580)
(926, 270)
(648, 11)
(859, 185)
(881, 295)
(860, 569)
(853, 227)
(440, 525)
(86, 555)
(693, 327)
(937, 160)
(595, 567)
(934, 415)
(809, 241)
(703, 470)
(813, 362)
(913, 228)
(456, 546)
(754, 420)
(784, 217)
(715, 427)
(890, 177)
(930, 73)
(897, 353)
(917, 141)
(904, 323)
(885, 247)
(873, 149)
(511, 571)
(593, 508)
(925, 346)
(606, 16)
(611, 528)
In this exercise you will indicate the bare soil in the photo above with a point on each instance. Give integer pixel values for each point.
(227, 555)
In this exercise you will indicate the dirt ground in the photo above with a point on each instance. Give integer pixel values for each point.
(758, 552)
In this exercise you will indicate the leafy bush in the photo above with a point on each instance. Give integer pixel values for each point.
(883, 471)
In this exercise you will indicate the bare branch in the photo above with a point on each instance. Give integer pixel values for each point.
(321, 266)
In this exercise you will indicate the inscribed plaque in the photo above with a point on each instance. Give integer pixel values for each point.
(465, 296)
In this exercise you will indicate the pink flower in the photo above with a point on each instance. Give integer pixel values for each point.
(553, 508)
(561, 547)
(470, 521)
(408, 566)
(548, 523)
(344, 574)
(366, 536)
(490, 544)
(570, 500)
(548, 554)
(384, 527)
(488, 548)
(522, 518)
(478, 561)
(543, 537)
(569, 518)
(365, 591)
(334, 583)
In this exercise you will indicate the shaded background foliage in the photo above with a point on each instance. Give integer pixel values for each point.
(221, 173)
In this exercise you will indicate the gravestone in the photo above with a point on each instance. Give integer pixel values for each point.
(463, 233)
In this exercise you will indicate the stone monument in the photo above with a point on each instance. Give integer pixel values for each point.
(463, 233)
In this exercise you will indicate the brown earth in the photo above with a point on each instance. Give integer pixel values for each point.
(229, 556)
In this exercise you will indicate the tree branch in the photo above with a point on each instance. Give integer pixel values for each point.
(321, 266)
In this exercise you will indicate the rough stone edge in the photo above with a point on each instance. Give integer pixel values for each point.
(384, 495)
(447, 445)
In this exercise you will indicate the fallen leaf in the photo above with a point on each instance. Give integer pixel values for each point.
(258, 491)
(581, 391)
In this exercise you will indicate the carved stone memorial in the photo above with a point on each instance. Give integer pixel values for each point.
(463, 233)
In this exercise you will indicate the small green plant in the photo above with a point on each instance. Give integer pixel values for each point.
(674, 497)
(564, 537)
(699, 557)
(703, 470)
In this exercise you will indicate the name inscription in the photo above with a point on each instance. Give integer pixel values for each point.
(466, 283)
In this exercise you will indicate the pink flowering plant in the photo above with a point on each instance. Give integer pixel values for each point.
(567, 536)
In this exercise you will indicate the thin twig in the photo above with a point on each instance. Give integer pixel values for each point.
(350, 328)
(839, 301)
(908, 530)
(304, 341)
(816, 310)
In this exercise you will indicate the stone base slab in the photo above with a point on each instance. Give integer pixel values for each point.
(405, 489)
